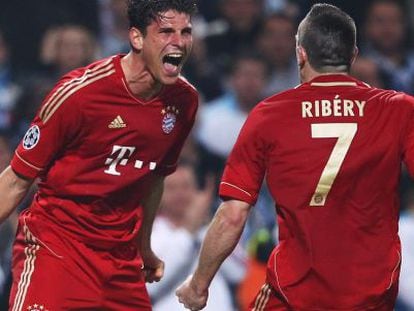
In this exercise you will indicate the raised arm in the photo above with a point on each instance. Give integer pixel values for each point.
(13, 188)
(153, 266)
(222, 237)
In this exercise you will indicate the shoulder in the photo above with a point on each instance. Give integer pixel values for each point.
(74, 84)
(394, 98)
(77, 79)
(183, 94)
(94, 70)
(184, 87)
(277, 101)
(289, 94)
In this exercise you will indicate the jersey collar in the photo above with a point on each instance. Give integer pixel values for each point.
(335, 80)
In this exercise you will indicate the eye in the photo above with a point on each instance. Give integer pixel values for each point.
(187, 31)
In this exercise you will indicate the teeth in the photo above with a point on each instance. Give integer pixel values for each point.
(175, 55)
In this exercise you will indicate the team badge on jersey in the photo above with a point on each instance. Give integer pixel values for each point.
(31, 138)
(37, 307)
(170, 117)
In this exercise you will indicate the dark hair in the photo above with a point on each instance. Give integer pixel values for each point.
(142, 12)
(328, 36)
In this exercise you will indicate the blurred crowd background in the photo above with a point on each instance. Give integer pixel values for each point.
(244, 51)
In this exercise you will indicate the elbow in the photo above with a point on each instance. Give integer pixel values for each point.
(232, 216)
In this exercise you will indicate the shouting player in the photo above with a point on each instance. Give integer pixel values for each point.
(331, 151)
(100, 145)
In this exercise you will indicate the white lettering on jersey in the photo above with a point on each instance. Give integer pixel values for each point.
(124, 153)
(337, 108)
(120, 156)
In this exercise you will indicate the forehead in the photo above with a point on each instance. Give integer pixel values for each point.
(279, 24)
(171, 19)
(386, 8)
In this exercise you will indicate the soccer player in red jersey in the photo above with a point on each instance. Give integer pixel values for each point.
(331, 151)
(101, 144)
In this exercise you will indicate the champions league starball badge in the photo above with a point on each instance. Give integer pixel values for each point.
(170, 117)
(31, 138)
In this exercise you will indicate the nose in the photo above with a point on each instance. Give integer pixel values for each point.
(178, 40)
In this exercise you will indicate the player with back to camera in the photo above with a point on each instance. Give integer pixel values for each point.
(331, 150)
(101, 144)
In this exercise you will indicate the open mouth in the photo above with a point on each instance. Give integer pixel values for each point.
(172, 61)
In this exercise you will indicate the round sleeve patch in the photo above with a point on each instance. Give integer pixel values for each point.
(31, 138)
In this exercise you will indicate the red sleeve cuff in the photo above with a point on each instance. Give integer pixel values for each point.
(228, 190)
(24, 168)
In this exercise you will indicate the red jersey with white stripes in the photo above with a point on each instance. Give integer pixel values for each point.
(96, 149)
(331, 151)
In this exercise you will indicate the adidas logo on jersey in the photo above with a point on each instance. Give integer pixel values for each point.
(117, 123)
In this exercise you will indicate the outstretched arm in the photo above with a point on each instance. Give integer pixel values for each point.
(153, 266)
(13, 188)
(222, 237)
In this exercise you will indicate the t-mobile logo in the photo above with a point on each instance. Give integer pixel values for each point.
(120, 156)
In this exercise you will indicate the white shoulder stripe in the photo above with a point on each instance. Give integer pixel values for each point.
(76, 81)
(240, 189)
(73, 90)
(187, 82)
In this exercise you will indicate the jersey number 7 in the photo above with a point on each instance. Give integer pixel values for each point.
(345, 132)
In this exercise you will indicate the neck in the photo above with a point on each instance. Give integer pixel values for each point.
(307, 73)
(140, 81)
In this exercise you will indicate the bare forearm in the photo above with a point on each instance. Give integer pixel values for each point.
(151, 206)
(221, 239)
(12, 191)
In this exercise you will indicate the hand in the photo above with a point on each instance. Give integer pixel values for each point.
(153, 267)
(190, 297)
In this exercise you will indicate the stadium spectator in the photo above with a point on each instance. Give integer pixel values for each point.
(365, 69)
(201, 71)
(113, 34)
(177, 232)
(385, 42)
(65, 48)
(10, 92)
(26, 25)
(276, 43)
(7, 232)
(220, 121)
(406, 231)
(236, 30)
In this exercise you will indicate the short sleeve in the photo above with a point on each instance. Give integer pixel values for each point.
(51, 131)
(170, 161)
(246, 166)
(408, 138)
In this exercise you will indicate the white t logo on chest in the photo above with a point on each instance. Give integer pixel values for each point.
(120, 156)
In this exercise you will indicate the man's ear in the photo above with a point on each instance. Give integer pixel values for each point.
(301, 56)
(136, 37)
(354, 57)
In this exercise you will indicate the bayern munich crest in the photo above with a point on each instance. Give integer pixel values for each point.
(31, 138)
(170, 117)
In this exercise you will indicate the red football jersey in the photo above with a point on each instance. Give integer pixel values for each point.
(97, 148)
(331, 151)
